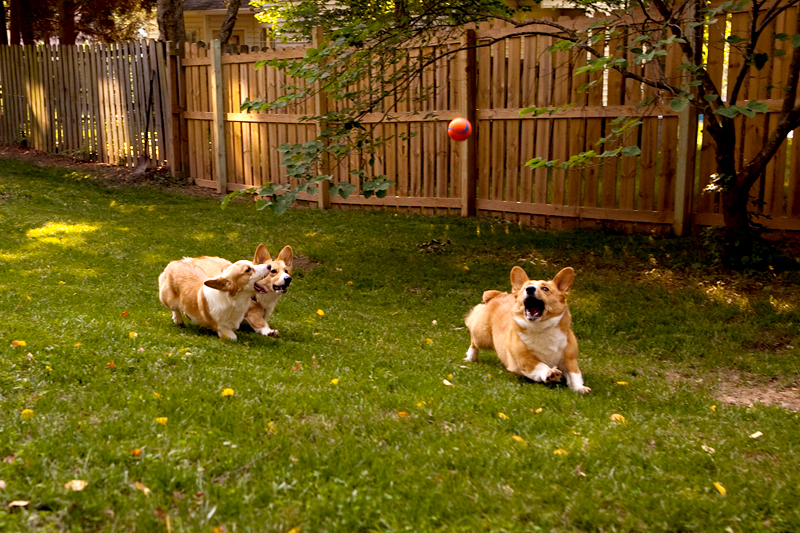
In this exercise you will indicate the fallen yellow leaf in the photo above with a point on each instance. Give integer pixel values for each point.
(18, 503)
(349, 282)
(228, 392)
(756, 435)
(560, 451)
(402, 414)
(622, 382)
(137, 452)
(618, 418)
(720, 488)
(78, 344)
(519, 439)
(133, 334)
(18, 343)
(297, 529)
(466, 267)
(76, 485)
(539, 410)
(141, 487)
(447, 383)
(503, 416)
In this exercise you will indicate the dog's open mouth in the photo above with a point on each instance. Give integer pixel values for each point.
(534, 308)
(281, 288)
(260, 288)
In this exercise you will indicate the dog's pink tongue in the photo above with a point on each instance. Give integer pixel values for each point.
(260, 288)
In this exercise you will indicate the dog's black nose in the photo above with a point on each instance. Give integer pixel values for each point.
(530, 290)
(287, 280)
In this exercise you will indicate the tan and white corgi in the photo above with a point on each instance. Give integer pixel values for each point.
(530, 329)
(218, 302)
(276, 282)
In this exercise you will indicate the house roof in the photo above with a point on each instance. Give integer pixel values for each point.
(205, 5)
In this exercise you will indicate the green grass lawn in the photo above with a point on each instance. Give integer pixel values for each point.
(344, 422)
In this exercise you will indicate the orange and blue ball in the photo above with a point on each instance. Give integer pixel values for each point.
(459, 129)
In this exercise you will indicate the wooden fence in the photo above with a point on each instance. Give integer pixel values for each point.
(88, 101)
(209, 139)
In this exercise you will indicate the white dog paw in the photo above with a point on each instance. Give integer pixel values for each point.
(267, 332)
(472, 355)
(582, 390)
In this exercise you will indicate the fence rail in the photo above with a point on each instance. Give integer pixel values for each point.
(93, 98)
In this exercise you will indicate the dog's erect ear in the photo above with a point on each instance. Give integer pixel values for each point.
(488, 295)
(222, 284)
(564, 279)
(262, 255)
(286, 256)
(518, 278)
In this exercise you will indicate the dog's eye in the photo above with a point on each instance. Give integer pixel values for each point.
(274, 271)
(545, 289)
(248, 269)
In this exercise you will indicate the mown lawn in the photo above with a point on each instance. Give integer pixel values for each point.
(344, 423)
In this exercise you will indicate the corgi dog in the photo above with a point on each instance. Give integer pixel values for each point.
(218, 302)
(276, 282)
(530, 329)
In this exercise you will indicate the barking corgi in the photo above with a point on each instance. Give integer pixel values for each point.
(530, 329)
(218, 302)
(276, 282)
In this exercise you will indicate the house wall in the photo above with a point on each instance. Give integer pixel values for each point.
(204, 26)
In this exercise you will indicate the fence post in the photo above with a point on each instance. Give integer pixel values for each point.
(177, 144)
(321, 109)
(687, 152)
(469, 147)
(218, 111)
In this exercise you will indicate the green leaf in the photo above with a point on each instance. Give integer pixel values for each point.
(711, 97)
(759, 107)
(795, 40)
(759, 60)
(729, 112)
(678, 104)
(631, 151)
(735, 39)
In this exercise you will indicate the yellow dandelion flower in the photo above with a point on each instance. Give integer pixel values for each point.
(334, 381)
(27, 414)
(420, 404)
(320, 312)
(402, 414)
(228, 392)
(503, 416)
(162, 420)
(271, 428)
(722, 490)
(466, 268)
(48, 368)
(18, 343)
(297, 529)
(157, 395)
(429, 340)
(618, 418)
(78, 344)
(349, 282)
(142, 487)
(133, 334)
(713, 408)
(519, 439)
(137, 452)
(560, 451)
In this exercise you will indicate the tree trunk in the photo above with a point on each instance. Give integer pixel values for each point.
(66, 18)
(21, 24)
(3, 32)
(170, 20)
(230, 21)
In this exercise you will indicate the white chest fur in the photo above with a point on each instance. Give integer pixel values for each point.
(544, 338)
(226, 311)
